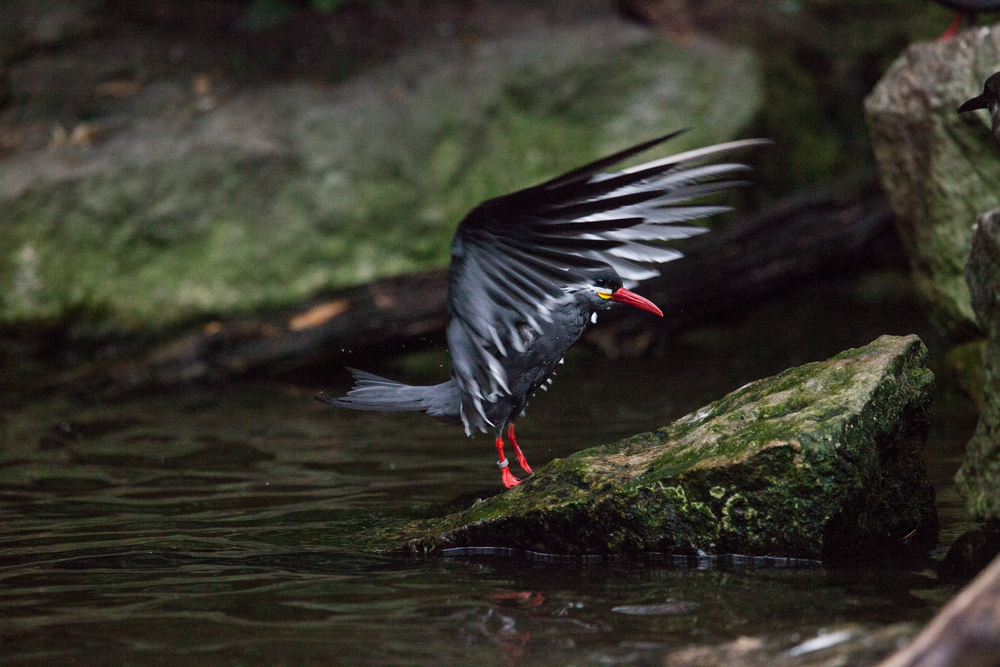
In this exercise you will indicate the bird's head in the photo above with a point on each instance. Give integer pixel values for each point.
(990, 99)
(606, 287)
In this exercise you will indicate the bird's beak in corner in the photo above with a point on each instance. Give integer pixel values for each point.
(622, 295)
(975, 103)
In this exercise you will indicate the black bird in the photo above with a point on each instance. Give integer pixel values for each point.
(971, 6)
(531, 269)
(990, 99)
(966, 10)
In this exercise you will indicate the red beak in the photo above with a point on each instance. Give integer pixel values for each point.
(622, 295)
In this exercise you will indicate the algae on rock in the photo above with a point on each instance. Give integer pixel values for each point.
(939, 168)
(820, 461)
(288, 189)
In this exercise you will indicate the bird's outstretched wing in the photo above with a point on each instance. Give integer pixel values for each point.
(526, 252)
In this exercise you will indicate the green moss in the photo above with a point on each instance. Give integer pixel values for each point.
(367, 183)
(810, 463)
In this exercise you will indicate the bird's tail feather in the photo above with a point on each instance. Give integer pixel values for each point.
(371, 392)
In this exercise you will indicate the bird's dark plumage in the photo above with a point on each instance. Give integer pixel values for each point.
(965, 12)
(530, 270)
(990, 100)
(971, 5)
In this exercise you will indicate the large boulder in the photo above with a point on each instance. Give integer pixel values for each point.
(979, 477)
(939, 169)
(202, 203)
(820, 461)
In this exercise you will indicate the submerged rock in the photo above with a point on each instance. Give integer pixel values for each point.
(939, 169)
(820, 461)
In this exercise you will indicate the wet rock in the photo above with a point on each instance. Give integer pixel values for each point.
(939, 169)
(204, 201)
(820, 461)
(979, 477)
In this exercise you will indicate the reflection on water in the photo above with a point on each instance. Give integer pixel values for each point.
(214, 526)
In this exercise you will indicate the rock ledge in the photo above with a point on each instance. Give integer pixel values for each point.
(820, 461)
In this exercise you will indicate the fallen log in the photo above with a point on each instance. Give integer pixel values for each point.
(816, 232)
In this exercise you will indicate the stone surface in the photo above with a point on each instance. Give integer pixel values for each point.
(939, 169)
(203, 203)
(820, 461)
(979, 477)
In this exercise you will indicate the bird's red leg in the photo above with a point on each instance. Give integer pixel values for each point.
(953, 29)
(521, 461)
(508, 479)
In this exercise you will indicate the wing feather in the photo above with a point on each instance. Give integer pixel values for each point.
(516, 258)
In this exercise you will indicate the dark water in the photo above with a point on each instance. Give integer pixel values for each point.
(214, 526)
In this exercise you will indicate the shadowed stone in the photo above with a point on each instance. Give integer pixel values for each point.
(979, 477)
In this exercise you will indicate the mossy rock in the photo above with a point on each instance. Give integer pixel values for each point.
(286, 190)
(979, 477)
(820, 461)
(938, 167)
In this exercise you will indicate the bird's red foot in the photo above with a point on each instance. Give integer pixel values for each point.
(521, 461)
(508, 479)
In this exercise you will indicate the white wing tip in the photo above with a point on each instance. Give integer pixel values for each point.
(701, 153)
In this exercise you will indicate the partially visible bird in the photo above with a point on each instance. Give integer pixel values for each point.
(990, 99)
(531, 269)
(966, 10)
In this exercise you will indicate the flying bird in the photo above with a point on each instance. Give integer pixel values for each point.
(531, 269)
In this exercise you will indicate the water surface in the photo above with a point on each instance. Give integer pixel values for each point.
(214, 525)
